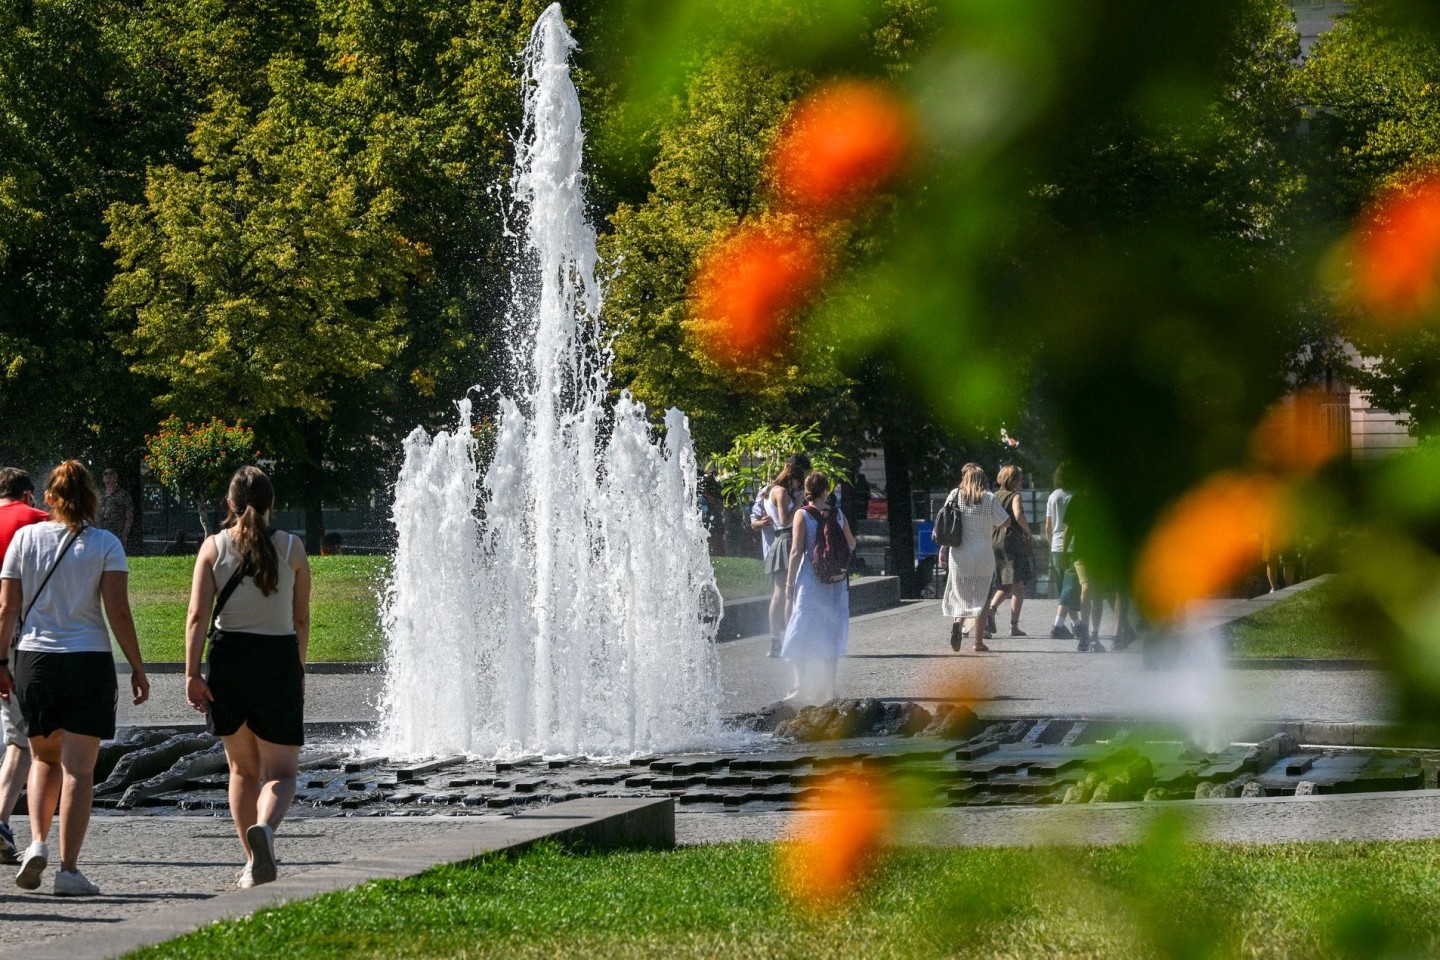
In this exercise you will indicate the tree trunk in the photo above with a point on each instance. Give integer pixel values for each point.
(902, 515)
(311, 496)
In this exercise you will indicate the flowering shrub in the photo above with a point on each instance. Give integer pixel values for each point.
(197, 460)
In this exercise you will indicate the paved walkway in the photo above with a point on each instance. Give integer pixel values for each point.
(147, 864)
(905, 653)
(1369, 816)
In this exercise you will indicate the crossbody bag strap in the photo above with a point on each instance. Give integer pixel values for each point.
(64, 549)
(224, 596)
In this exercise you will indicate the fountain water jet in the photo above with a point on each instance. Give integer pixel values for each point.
(553, 605)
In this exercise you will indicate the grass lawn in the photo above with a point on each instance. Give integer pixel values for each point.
(740, 577)
(343, 624)
(1160, 899)
(1308, 624)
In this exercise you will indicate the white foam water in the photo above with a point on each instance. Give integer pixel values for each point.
(553, 605)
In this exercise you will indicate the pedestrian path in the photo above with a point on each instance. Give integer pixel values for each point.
(1363, 816)
(904, 653)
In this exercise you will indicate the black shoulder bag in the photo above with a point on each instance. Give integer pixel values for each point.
(20, 626)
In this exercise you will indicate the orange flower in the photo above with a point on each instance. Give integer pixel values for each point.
(1294, 436)
(844, 830)
(1398, 253)
(748, 284)
(841, 142)
(1209, 537)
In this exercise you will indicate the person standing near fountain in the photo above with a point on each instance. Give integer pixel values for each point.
(17, 509)
(782, 498)
(56, 577)
(971, 566)
(254, 698)
(819, 611)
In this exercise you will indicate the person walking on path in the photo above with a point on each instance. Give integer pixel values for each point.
(1014, 558)
(818, 605)
(971, 566)
(1055, 508)
(56, 577)
(782, 498)
(252, 588)
(116, 511)
(17, 509)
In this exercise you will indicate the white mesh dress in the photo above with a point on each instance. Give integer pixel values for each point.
(972, 564)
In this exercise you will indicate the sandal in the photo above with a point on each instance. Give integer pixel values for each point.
(980, 648)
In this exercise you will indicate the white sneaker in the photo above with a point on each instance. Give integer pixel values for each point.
(73, 883)
(37, 858)
(262, 852)
(246, 879)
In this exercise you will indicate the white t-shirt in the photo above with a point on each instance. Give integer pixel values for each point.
(1055, 516)
(66, 617)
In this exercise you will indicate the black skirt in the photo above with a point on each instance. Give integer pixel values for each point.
(74, 692)
(256, 680)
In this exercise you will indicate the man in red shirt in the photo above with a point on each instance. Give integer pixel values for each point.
(17, 509)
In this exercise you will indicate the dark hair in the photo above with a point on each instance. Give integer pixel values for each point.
(15, 483)
(796, 466)
(251, 498)
(1059, 478)
(816, 485)
(72, 496)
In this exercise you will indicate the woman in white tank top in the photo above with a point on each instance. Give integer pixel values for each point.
(257, 583)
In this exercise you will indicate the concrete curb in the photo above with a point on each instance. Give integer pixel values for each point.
(1299, 663)
(642, 822)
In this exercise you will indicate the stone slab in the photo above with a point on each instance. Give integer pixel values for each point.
(591, 823)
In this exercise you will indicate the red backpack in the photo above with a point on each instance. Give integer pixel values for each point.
(830, 555)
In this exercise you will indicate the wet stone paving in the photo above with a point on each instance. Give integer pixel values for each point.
(953, 757)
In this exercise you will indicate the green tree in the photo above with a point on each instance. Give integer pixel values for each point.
(1371, 86)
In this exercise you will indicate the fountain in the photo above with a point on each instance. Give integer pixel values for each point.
(552, 605)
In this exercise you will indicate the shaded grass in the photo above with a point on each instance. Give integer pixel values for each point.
(343, 606)
(1160, 899)
(740, 577)
(1309, 624)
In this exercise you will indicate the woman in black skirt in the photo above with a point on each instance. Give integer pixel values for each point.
(254, 584)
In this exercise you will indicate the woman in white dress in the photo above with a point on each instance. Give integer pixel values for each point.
(818, 628)
(971, 566)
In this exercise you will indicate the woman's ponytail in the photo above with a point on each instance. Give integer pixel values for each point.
(251, 499)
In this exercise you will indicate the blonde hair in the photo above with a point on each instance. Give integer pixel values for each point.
(71, 495)
(1009, 477)
(974, 484)
(251, 498)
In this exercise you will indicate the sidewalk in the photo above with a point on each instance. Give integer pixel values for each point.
(904, 653)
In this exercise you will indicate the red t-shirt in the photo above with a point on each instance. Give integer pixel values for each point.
(13, 516)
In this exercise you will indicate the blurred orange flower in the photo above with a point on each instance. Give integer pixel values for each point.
(748, 284)
(841, 142)
(1210, 536)
(1398, 253)
(844, 830)
(1295, 435)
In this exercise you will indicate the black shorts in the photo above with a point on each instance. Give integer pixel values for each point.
(256, 680)
(74, 692)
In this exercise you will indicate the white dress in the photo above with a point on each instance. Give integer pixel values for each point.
(820, 623)
(972, 564)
